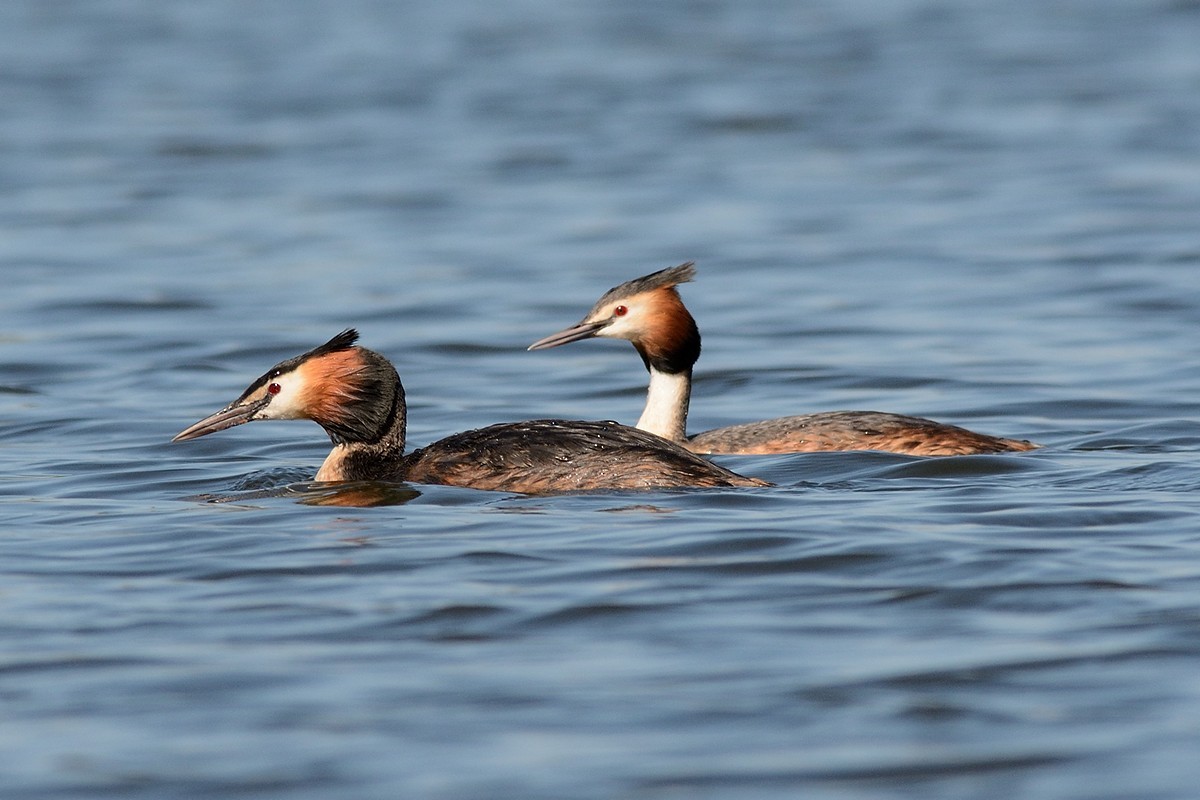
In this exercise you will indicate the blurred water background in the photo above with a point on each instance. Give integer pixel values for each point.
(985, 213)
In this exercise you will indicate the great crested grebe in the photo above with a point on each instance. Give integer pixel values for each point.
(649, 313)
(356, 396)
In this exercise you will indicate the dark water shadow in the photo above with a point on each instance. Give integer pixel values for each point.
(358, 494)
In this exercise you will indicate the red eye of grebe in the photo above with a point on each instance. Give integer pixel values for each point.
(620, 311)
(274, 388)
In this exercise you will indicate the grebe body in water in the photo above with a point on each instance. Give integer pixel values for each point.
(649, 313)
(355, 394)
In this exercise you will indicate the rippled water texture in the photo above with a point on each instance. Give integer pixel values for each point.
(984, 213)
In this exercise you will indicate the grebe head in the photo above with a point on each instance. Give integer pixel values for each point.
(351, 392)
(646, 311)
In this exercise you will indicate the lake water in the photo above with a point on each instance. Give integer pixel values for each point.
(984, 213)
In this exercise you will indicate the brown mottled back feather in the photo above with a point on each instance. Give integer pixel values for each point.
(851, 430)
(541, 456)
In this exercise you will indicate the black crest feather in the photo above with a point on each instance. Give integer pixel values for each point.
(663, 279)
(342, 341)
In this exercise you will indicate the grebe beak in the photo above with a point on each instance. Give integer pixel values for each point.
(584, 330)
(227, 417)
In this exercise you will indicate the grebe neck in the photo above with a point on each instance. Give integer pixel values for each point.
(380, 458)
(667, 404)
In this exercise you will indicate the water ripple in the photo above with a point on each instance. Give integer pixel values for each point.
(976, 213)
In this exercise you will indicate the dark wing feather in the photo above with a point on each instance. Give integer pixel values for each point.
(541, 456)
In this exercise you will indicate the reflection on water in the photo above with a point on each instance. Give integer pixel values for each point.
(353, 494)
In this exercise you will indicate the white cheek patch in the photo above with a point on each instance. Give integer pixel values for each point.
(287, 403)
(625, 327)
(617, 329)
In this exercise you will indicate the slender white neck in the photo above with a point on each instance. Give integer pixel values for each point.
(331, 469)
(667, 405)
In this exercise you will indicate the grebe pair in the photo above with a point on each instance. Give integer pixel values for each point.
(355, 394)
(648, 312)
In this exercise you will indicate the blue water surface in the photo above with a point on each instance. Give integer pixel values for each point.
(984, 213)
